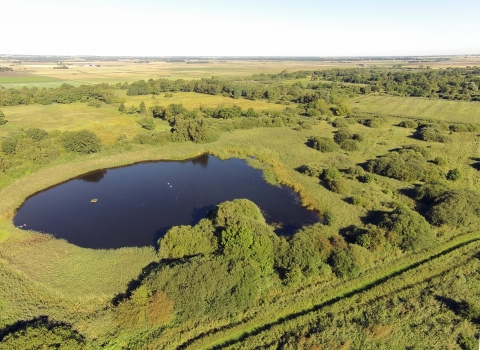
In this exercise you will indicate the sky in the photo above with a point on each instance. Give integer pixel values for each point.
(240, 28)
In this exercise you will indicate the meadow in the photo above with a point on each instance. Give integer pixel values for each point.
(42, 275)
(421, 108)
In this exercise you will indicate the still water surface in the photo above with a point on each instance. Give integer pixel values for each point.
(137, 204)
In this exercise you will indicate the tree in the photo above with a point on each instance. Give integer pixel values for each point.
(122, 108)
(83, 141)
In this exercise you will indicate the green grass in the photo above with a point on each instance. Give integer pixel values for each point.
(19, 80)
(448, 111)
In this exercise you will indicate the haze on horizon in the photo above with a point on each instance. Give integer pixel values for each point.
(242, 28)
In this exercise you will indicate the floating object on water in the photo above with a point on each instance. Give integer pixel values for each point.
(94, 200)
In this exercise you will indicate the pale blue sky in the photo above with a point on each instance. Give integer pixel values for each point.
(245, 28)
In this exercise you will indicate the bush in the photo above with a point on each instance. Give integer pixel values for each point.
(341, 136)
(349, 145)
(36, 134)
(459, 208)
(406, 165)
(8, 146)
(409, 124)
(431, 134)
(339, 186)
(340, 123)
(367, 178)
(347, 263)
(323, 144)
(454, 175)
(407, 229)
(5, 163)
(311, 170)
(2, 118)
(83, 141)
(330, 174)
(440, 161)
(147, 123)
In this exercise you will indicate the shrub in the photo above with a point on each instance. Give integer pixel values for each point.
(406, 165)
(347, 263)
(431, 134)
(455, 208)
(367, 178)
(8, 146)
(323, 144)
(409, 124)
(147, 123)
(330, 174)
(340, 123)
(36, 134)
(407, 229)
(83, 141)
(181, 241)
(454, 175)
(2, 118)
(440, 161)
(349, 145)
(341, 136)
(5, 163)
(311, 170)
(339, 186)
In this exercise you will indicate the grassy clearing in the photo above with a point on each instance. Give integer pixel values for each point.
(192, 100)
(449, 111)
(106, 121)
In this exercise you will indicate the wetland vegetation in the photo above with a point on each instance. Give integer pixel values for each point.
(388, 156)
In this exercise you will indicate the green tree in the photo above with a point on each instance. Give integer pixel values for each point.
(83, 141)
(122, 108)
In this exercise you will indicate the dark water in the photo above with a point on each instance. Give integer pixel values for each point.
(137, 204)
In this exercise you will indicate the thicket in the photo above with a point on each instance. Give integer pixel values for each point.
(63, 94)
(42, 333)
(407, 164)
(83, 141)
(229, 261)
(444, 206)
(450, 83)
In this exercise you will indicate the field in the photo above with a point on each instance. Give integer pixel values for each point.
(422, 108)
(106, 121)
(191, 100)
(396, 299)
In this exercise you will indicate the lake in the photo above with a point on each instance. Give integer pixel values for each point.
(136, 204)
